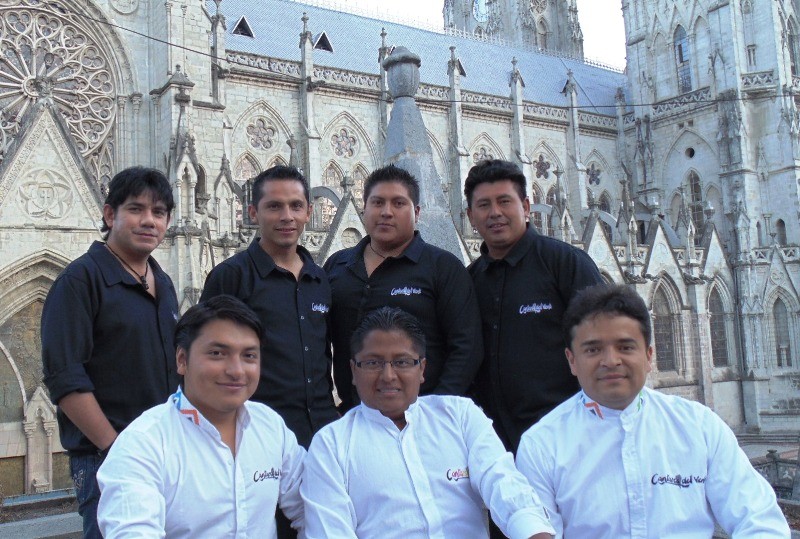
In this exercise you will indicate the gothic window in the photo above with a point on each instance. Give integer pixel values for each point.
(537, 216)
(359, 178)
(780, 232)
(278, 161)
(260, 134)
(792, 46)
(605, 202)
(43, 55)
(344, 144)
(749, 33)
(331, 177)
(683, 60)
(759, 235)
(541, 34)
(718, 328)
(664, 332)
(551, 196)
(594, 174)
(243, 173)
(542, 167)
(480, 11)
(482, 154)
(780, 323)
(696, 206)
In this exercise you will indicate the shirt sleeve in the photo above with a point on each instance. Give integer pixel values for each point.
(576, 272)
(743, 502)
(328, 506)
(536, 467)
(515, 507)
(459, 316)
(67, 337)
(289, 499)
(131, 480)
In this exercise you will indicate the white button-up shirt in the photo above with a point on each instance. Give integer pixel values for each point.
(663, 467)
(170, 474)
(366, 478)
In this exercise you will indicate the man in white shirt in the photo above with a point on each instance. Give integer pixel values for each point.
(207, 462)
(403, 466)
(621, 460)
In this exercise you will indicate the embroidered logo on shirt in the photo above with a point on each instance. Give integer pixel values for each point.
(677, 480)
(535, 308)
(320, 308)
(190, 413)
(594, 408)
(455, 475)
(406, 291)
(263, 475)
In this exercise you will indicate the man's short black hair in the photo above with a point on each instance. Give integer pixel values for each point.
(223, 307)
(613, 299)
(134, 181)
(388, 319)
(391, 173)
(278, 172)
(494, 170)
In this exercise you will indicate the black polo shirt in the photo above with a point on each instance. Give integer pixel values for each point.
(295, 350)
(522, 299)
(425, 281)
(102, 332)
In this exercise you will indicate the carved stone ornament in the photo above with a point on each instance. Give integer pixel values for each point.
(344, 144)
(45, 196)
(538, 6)
(260, 134)
(542, 167)
(483, 154)
(126, 7)
(45, 56)
(594, 174)
(350, 237)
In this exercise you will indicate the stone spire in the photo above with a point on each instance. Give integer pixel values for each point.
(408, 147)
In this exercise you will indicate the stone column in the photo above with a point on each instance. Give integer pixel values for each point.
(459, 156)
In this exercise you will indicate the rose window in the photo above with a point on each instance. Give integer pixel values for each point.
(538, 6)
(43, 56)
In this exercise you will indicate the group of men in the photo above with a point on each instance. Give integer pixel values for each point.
(408, 333)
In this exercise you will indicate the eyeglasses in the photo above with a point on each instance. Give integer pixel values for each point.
(375, 365)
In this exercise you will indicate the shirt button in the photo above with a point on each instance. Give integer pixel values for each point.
(494, 326)
(302, 317)
(308, 380)
(305, 348)
(367, 287)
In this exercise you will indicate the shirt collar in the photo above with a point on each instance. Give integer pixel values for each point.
(266, 265)
(377, 417)
(518, 251)
(193, 415)
(601, 412)
(111, 268)
(413, 251)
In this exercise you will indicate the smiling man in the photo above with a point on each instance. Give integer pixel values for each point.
(394, 266)
(410, 467)
(621, 460)
(207, 462)
(109, 315)
(524, 281)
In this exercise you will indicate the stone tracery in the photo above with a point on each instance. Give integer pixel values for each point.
(44, 56)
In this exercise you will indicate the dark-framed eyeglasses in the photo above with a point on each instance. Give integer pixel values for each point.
(376, 365)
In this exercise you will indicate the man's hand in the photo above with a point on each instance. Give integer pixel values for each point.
(83, 410)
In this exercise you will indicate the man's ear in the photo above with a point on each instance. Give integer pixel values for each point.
(570, 360)
(108, 215)
(181, 356)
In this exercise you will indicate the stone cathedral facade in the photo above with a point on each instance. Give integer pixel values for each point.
(679, 176)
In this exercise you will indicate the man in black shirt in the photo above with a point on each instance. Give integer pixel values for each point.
(524, 282)
(393, 266)
(279, 280)
(108, 350)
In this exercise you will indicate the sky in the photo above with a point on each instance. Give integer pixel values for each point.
(601, 21)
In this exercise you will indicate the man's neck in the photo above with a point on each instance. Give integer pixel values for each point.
(284, 257)
(386, 251)
(135, 260)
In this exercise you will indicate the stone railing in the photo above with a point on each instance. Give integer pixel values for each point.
(781, 474)
(758, 80)
(484, 100)
(350, 78)
(429, 91)
(545, 112)
(597, 120)
(283, 67)
(629, 120)
(790, 254)
(682, 103)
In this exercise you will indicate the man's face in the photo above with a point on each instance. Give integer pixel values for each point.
(610, 358)
(281, 215)
(499, 215)
(389, 391)
(390, 215)
(221, 369)
(137, 225)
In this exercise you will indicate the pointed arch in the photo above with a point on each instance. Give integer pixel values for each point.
(782, 329)
(29, 279)
(550, 155)
(683, 59)
(538, 214)
(780, 232)
(324, 209)
(261, 128)
(542, 33)
(484, 147)
(720, 320)
(605, 202)
(346, 120)
(278, 160)
(666, 307)
(246, 168)
(359, 177)
(439, 158)
(702, 42)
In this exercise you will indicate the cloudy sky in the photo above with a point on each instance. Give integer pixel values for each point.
(601, 21)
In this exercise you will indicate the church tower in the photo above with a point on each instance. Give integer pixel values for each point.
(545, 24)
